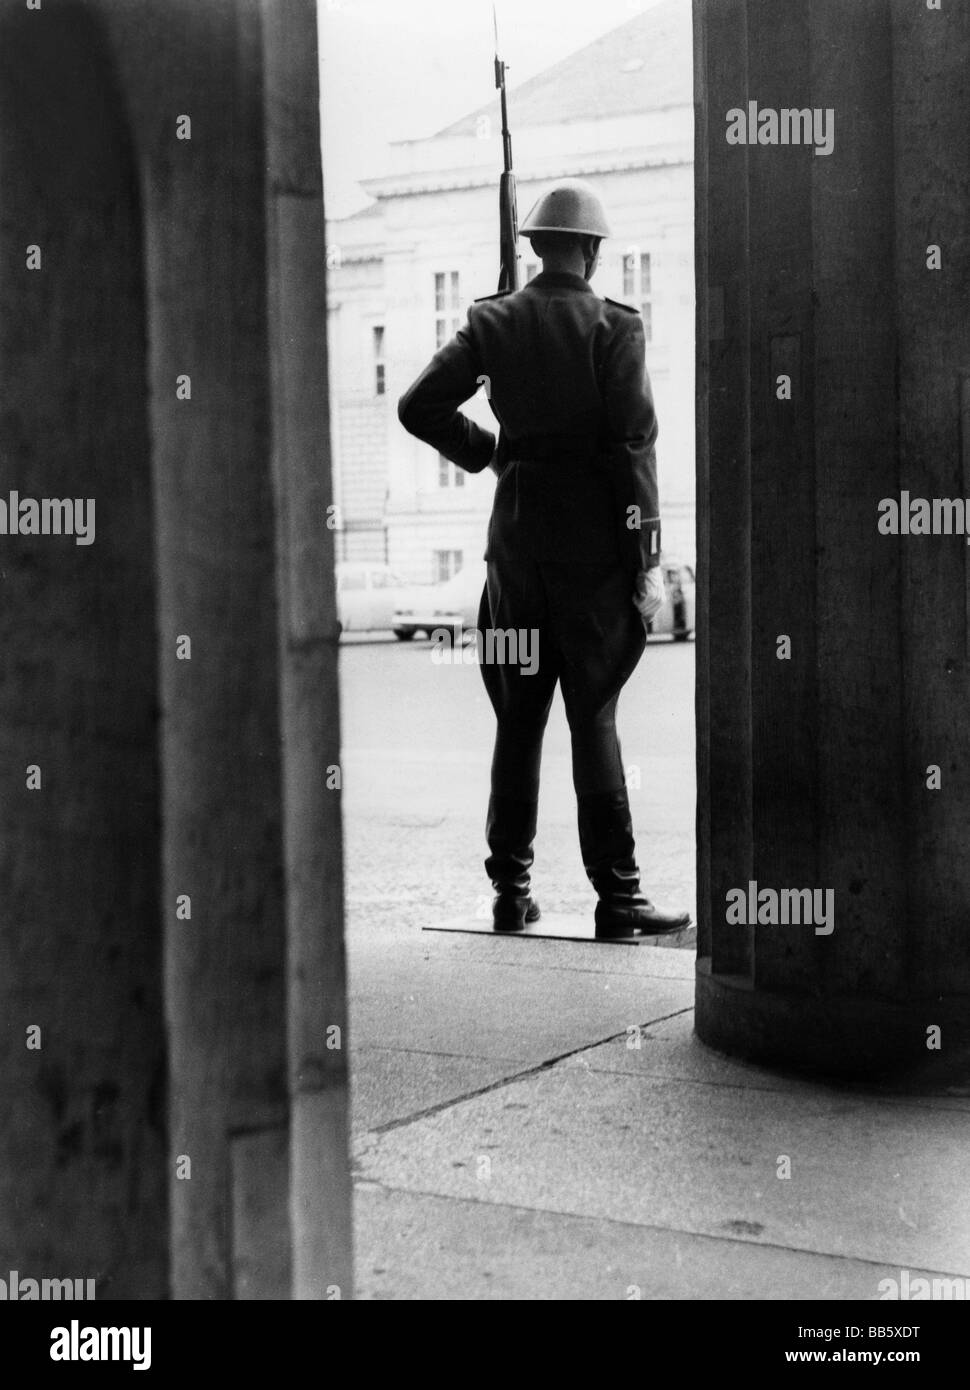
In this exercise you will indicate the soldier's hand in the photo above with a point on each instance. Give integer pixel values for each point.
(649, 593)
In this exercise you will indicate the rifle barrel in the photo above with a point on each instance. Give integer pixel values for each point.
(508, 213)
(506, 133)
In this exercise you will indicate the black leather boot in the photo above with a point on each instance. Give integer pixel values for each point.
(510, 830)
(609, 855)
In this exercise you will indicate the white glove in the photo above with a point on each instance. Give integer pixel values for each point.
(649, 593)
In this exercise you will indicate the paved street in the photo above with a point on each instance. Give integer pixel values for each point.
(417, 743)
(534, 1119)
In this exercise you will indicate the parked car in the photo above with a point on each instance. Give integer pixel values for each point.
(367, 596)
(451, 606)
(677, 616)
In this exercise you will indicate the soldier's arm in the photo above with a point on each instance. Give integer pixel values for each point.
(429, 407)
(632, 426)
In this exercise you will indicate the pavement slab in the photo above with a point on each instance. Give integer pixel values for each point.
(670, 1051)
(459, 1006)
(420, 1246)
(391, 1085)
(871, 1179)
(382, 940)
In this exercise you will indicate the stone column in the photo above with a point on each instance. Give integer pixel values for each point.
(317, 1010)
(813, 770)
(82, 1048)
(173, 1088)
(220, 735)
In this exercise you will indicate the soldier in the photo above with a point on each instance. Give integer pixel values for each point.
(573, 542)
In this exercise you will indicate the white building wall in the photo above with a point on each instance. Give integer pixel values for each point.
(357, 305)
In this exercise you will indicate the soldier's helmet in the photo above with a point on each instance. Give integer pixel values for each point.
(570, 206)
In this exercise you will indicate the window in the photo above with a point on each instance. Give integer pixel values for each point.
(447, 306)
(447, 563)
(646, 298)
(637, 286)
(449, 474)
(351, 580)
(379, 360)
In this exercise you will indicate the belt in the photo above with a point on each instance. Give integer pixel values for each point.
(541, 446)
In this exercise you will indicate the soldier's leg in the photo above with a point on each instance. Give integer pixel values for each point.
(521, 691)
(600, 639)
(521, 694)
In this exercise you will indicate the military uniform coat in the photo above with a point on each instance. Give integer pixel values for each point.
(566, 379)
(575, 510)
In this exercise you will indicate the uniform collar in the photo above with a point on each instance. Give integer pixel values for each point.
(559, 279)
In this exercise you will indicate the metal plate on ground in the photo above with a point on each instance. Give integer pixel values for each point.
(554, 926)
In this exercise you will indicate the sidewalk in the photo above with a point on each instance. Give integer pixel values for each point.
(514, 1142)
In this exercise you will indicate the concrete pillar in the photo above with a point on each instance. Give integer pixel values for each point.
(175, 682)
(237, 292)
(82, 1101)
(319, 1165)
(206, 270)
(813, 771)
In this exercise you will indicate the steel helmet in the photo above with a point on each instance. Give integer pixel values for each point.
(569, 206)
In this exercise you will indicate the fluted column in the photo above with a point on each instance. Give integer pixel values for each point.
(814, 752)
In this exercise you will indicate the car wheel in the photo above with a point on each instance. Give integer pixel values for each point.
(404, 634)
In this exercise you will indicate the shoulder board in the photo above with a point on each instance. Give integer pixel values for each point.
(617, 304)
(486, 297)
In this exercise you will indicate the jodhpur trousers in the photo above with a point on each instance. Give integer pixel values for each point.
(590, 638)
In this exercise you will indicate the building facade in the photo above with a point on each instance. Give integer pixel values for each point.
(403, 272)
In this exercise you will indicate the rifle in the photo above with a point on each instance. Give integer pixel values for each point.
(508, 215)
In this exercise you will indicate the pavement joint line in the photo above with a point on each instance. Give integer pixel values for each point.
(432, 1052)
(547, 1065)
(452, 1197)
(924, 1102)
